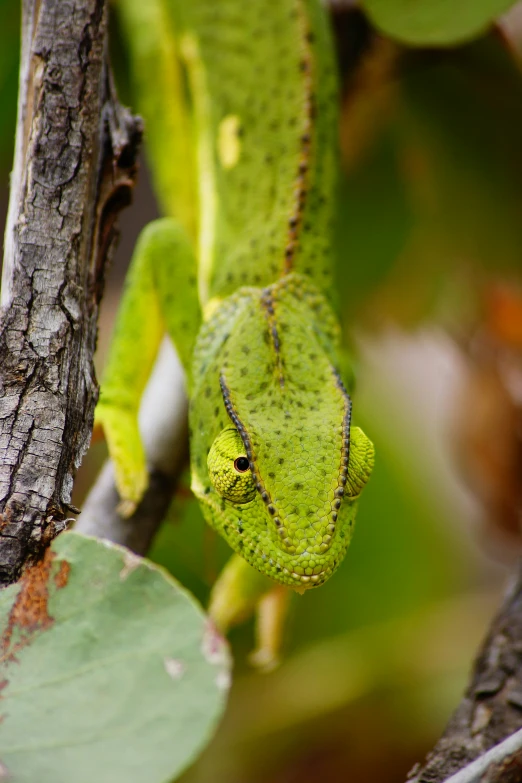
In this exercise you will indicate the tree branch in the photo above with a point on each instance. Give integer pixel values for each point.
(74, 168)
(164, 431)
(491, 708)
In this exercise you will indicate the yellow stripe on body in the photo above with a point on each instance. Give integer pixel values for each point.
(190, 52)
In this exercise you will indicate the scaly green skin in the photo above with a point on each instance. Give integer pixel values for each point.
(263, 385)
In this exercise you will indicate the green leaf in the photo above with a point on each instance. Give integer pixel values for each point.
(434, 22)
(109, 670)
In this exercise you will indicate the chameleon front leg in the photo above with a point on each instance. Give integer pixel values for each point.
(271, 613)
(239, 592)
(160, 295)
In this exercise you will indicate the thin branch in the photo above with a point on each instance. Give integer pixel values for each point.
(491, 708)
(503, 759)
(163, 427)
(73, 171)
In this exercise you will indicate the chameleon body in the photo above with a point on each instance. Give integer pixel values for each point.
(241, 98)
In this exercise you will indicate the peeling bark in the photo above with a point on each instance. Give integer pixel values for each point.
(75, 166)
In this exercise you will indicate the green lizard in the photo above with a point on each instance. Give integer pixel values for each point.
(241, 105)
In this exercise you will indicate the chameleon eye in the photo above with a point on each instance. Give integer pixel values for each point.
(229, 473)
(241, 464)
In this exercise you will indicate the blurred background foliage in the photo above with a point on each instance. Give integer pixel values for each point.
(430, 291)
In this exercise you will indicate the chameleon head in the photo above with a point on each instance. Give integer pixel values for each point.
(275, 463)
(292, 529)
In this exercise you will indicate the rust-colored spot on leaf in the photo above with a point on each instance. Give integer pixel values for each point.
(62, 574)
(29, 615)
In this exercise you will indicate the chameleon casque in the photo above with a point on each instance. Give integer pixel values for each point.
(241, 101)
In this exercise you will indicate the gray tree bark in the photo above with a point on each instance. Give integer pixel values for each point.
(74, 169)
(491, 708)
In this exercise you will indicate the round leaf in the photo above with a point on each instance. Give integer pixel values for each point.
(434, 22)
(109, 670)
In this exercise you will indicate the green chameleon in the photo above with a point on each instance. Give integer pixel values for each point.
(241, 101)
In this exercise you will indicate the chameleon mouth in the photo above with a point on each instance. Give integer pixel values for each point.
(321, 573)
(310, 581)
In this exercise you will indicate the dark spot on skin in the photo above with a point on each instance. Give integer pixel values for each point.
(206, 490)
(208, 392)
(298, 486)
(281, 460)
